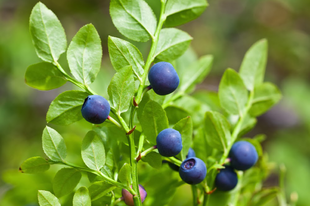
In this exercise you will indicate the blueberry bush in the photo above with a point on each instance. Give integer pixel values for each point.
(147, 138)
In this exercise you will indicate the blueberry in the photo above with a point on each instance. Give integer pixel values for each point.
(191, 153)
(95, 109)
(243, 155)
(163, 78)
(128, 197)
(226, 179)
(169, 142)
(193, 170)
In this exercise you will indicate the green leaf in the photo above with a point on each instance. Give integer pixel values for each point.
(93, 152)
(264, 196)
(66, 108)
(84, 54)
(200, 145)
(185, 127)
(175, 113)
(81, 197)
(53, 145)
(252, 69)
(44, 76)
(65, 181)
(172, 44)
(47, 33)
(153, 120)
(153, 159)
(122, 89)
(123, 53)
(247, 125)
(182, 11)
(233, 94)
(47, 199)
(266, 95)
(34, 165)
(100, 189)
(196, 74)
(124, 174)
(134, 19)
(217, 130)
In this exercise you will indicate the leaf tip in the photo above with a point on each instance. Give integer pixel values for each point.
(20, 170)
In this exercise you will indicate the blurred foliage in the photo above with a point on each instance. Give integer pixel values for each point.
(226, 30)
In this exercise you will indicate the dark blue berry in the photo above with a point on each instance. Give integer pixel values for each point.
(163, 78)
(95, 109)
(243, 155)
(169, 142)
(226, 179)
(191, 153)
(193, 170)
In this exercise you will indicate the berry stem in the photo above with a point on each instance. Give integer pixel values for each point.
(113, 121)
(147, 151)
(195, 195)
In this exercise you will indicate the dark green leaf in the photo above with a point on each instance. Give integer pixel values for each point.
(53, 145)
(122, 89)
(133, 18)
(100, 189)
(153, 120)
(124, 174)
(47, 33)
(81, 197)
(252, 69)
(185, 127)
(172, 44)
(44, 76)
(217, 130)
(65, 181)
(266, 95)
(47, 199)
(66, 108)
(233, 94)
(182, 11)
(154, 159)
(34, 165)
(93, 152)
(196, 74)
(84, 54)
(123, 53)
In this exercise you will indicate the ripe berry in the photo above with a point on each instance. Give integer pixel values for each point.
(163, 78)
(242, 155)
(191, 153)
(193, 170)
(169, 142)
(128, 197)
(95, 109)
(226, 179)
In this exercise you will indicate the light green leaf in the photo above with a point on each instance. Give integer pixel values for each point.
(233, 94)
(66, 108)
(122, 89)
(217, 130)
(134, 19)
(175, 113)
(123, 53)
(34, 165)
(154, 159)
(84, 54)
(53, 145)
(93, 152)
(172, 44)
(185, 127)
(124, 174)
(81, 197)
(65, 181)
(47, 199)
(183, 11)
(47, 33)
(100, 189)
(200, 145)
(153, 120)
(252, 69)
(266, 95)
(247, 125)
(196, 74)
(44, 76)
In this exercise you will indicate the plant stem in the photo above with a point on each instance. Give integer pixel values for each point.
(195, 195)
(113, 121)
(238, 189)
(147, 151)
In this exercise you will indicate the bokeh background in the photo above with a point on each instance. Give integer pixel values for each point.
(226, 29)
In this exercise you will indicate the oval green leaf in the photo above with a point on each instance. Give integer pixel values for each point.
(124, 174)
(65, 181)
(100, 189)
(34, 165)
(185, 127)
(47, 199)
(81, 197)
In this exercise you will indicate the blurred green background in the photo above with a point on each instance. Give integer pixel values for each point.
(226, 29)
